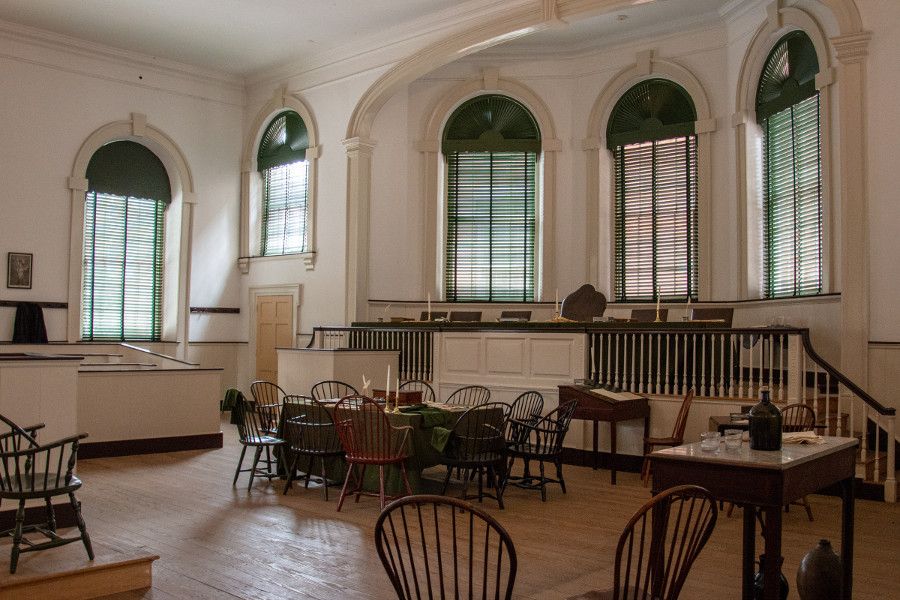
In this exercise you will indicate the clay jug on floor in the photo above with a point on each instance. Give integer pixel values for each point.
(819, 575)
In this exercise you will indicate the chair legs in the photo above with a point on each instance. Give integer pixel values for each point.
(17, 537)
(51, 516)
(256, 456)
(343, 495)
(49, 530)
(79, 520)
(240, 462)
(360, 481)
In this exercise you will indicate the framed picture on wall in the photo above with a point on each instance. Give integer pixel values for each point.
(18, 273)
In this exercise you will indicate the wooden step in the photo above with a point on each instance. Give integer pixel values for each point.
(65, 573)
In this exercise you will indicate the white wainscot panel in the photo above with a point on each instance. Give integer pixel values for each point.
(462, 354)
(553, 358)
(505, 356)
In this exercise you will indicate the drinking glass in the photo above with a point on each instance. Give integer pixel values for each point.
(733, 439)
(709, 440)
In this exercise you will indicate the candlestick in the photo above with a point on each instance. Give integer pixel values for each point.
(429, 307)
(657, 306)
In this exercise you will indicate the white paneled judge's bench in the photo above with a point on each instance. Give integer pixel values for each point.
(658, 360)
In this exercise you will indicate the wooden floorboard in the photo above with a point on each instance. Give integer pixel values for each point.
(218, 542)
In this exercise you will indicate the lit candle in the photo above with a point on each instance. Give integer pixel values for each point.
(387, 385)
(429, 307)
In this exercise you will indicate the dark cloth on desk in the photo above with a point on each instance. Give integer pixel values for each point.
(430, 416)
(29, 325)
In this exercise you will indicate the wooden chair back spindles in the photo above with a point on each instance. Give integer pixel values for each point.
(257, 427)
(364, 430)
(331, 390)
(527, 407)
(681, 419)
(797, 417)
(676, 439)
(661, 542)
(268, 398)
(368, 438)
(439, 547)
(418, 385)
(541, 441)
(309, 432)
(470, 395)
(477, 444)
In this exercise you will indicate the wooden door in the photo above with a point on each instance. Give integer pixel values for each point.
(274, 329)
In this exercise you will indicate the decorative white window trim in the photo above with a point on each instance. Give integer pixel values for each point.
(432, 167)
(748, 151)
(646, 66)
(179, 214)
(251, 182)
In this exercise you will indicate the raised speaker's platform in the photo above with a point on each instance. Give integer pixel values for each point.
(65, 573)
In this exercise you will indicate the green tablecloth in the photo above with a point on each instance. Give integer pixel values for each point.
(422, 454)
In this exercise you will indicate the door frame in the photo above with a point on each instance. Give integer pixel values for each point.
(295, 291)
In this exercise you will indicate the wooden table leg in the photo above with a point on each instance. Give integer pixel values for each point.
(848, 495)
(612, 452)
(749, 553)
(596, 448)
(772, 568)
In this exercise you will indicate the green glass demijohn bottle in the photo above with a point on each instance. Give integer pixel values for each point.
(765, 423)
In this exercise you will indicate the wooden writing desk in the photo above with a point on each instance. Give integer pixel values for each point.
(596, 408)
(766, 481)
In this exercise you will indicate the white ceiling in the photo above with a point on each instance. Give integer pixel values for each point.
(645, 17)
(243, 37)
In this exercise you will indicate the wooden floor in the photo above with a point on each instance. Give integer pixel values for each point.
(216, 541)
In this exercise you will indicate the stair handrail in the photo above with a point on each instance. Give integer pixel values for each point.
(843, 379)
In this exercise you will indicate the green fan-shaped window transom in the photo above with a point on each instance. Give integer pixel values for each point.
(655, 109)
(788, 76)
(491, 123)
(284, 142)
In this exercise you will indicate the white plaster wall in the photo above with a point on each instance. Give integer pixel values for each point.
(51, 103)
(883, 131)
(324, 287)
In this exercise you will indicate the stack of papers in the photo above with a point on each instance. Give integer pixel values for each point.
(616, 395)
(802, 437)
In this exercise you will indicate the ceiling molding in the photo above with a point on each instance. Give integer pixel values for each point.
(421, 32)
(704, 22)
(56, 41)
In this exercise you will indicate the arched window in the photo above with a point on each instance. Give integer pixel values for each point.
(491, 144)
(122, 267)
(787, 109)
(282, 163)
(652, 137)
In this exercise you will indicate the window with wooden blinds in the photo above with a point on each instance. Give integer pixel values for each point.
(122, 268)
(285, 172)
(788, 110)
(651, 135)
(656, 220)
(491, 145)
(123, 243)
